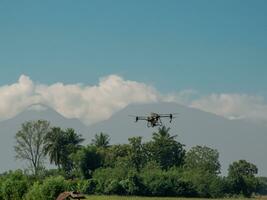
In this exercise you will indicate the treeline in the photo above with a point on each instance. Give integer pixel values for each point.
(159, 167)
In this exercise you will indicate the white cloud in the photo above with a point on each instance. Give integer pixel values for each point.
(183, 97)
(95, 103)
(15, 97)
(233, 106)
(88, 103)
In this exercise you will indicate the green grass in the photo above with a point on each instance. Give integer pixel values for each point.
(145, 198)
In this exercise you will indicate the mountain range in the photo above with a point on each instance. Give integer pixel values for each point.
(234, 139)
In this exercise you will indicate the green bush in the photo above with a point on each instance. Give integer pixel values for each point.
(86, 186)
(166, 183)
(34, 192)
(262, 186)
(1, 182)
(133, 184)
(48, 190)
(14, 186)
(218, 187)
(107, 180)
(113, 187)
(119, 180)
(52, 187)
(206, 184)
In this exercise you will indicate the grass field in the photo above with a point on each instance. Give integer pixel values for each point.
(145, 198)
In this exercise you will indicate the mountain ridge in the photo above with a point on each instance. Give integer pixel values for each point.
(9, 128)
(234, 139)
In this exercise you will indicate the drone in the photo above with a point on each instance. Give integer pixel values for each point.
(154, 119)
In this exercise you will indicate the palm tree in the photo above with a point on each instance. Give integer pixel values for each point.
(73, 139)
(163, 134)
(53, 145)
(165, 149)
(101, 140)
(60, 144)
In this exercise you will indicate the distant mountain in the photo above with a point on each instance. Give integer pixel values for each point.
(234, 139)
(10, 127)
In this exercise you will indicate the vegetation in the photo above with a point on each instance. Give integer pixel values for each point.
(113, 197)
(101, 140)
(59, 145)
(160, 167)
(30, 143)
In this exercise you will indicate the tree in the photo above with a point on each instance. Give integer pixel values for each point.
(59, 145)
(30, 143)
(114, 154)
(53, 145)
(165, 150)
(262, 189)
(86, 160)
(101, 140)
(241, 175)
(204, 183)
(203, 158)
(136, 153)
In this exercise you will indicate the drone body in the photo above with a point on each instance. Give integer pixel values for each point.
(154, 119)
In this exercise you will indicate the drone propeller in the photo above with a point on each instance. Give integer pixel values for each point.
(136, 117)
(169, 115)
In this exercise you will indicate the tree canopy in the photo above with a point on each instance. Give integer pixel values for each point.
(30, 141)
(158, 167)
(203, 158)
(60, 144)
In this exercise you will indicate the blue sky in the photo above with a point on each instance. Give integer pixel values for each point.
(210, 46)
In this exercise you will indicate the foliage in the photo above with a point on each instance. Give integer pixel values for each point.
(262, 187)
(159, 182)
(86, 186)
(86, 160)
(60, 144)
(14, 186)
(205, 184)
(35, 192)
(114, 154)
(30, 143)
(116, 197)
(203, 158)
(241, 177)
(101, 140)
(49, 189)
(54, 141)
(136, 155)
(165, 150)
(159, 167)
(107, 180)
(52, 187)
(118, 180)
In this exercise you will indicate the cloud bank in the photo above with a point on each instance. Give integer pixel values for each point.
(95, 103)
(87, 103)
(233, 106)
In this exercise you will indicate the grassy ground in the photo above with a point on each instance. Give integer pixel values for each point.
(141, 198)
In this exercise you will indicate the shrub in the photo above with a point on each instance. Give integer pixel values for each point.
(133, 184)
(86, 186)
(35, 192)
(262, 187)
(166, 183)
(206, 184)
(52, 187)
(14, 186)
